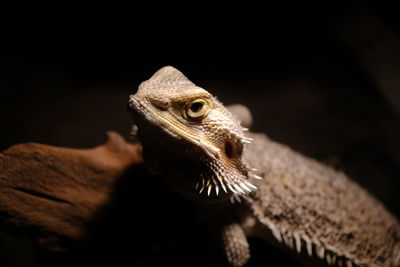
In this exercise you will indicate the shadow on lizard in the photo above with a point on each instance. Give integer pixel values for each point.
(98, 206)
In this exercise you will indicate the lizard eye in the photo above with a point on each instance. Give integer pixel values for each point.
(196, 109)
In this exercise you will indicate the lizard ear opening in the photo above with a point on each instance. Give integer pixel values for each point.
(229, 149)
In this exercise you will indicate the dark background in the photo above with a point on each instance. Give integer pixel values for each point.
(325, 81)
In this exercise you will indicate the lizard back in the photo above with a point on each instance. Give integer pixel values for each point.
(312, 207)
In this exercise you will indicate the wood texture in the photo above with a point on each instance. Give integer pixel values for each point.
(54, 193)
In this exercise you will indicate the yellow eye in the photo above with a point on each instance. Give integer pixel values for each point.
(197, 109)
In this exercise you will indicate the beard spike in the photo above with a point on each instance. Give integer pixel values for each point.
(255, 176)
(297, 242)
(244, 186)
(237, 185)
(202, 185)
(210, 182)
(216, 190)
(235, 199)
(231, 188)
(209, 189)
(238, 188)
(223, 187)
(218, 178)
(215, 186)
(251, 185)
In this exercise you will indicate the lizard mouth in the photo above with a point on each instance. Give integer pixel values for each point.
(142, 112)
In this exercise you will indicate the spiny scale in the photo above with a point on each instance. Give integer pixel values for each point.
(297, 242)
(238, 187)
(294, 242)
(309, 249)
(333, 259)
(209, 189)
(254, 176)
(237, 136)
(235, 198)
(245, 187)
(321, 252)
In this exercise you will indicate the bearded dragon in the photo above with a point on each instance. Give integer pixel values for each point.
(248, 185)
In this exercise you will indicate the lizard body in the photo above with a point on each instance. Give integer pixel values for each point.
(246, 184)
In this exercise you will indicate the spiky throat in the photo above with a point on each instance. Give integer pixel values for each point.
(220, 176)
(199, 177)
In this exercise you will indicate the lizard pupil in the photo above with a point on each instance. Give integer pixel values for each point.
(196, 107)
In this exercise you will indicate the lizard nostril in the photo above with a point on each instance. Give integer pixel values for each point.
(229, 149)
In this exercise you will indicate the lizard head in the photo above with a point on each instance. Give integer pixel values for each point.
(189, 137)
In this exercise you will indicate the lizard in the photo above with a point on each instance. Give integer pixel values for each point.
(246, 184)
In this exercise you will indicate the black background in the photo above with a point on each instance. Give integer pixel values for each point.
(298, 68)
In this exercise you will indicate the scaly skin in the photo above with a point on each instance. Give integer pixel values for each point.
(249, 185)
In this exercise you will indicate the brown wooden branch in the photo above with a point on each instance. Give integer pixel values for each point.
(57, 192)
(100, 204)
